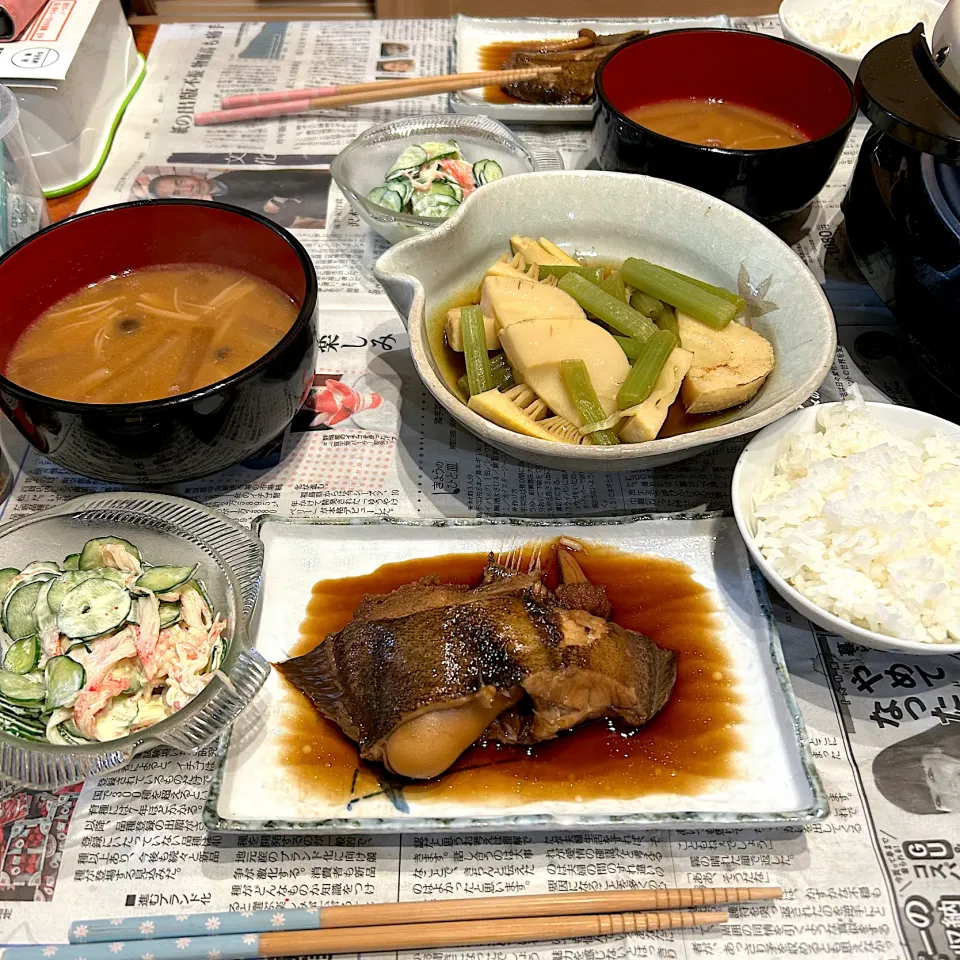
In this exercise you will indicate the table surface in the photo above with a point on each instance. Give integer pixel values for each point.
(63, 207)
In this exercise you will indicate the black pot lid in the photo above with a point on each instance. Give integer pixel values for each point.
(903, 92)
(942, 183)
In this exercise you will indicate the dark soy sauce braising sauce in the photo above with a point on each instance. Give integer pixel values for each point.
(692, 741)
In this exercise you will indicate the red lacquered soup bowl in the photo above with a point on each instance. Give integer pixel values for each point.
(768, 74)
(185, 436)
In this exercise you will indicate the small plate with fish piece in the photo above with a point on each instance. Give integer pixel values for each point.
(488, 43)
(449, 675)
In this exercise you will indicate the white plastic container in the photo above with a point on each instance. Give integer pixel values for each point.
(69, 124)
(23, 210)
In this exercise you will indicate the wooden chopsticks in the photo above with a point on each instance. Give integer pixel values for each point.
(435, 911)
(423, 936)
(409, 936)
(281, 104)
(309, 93)
(393, 926)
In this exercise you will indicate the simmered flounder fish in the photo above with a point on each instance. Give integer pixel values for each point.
(421, 673)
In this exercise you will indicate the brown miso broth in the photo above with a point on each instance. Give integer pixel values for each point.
(714, 123)
(150, 334)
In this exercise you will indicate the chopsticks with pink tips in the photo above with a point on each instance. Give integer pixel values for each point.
(374, 93)
(393, 926)
(239, 100)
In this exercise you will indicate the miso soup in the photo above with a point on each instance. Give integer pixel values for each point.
(150, 334)
(714, 123)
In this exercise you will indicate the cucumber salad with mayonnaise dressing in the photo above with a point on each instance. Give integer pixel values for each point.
(102, 645)
(432, 180)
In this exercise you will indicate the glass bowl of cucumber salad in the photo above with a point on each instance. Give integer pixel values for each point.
(408, 176)
(124, 627)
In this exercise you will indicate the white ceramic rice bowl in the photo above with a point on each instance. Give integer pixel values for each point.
(757, 463)
(613, 216)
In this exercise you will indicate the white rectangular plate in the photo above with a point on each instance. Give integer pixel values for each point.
(470, 34)
(774, 783)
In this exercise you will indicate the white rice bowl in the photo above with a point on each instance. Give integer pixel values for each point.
(860, 517)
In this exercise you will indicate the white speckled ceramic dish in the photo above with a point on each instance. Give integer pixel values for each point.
(612, 216)
(771, 779)
(471, 34)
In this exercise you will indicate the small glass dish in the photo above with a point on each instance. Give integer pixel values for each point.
(171, 531)
(362, 165)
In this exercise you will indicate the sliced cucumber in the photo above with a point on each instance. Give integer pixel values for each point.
(403, 186)
(21, 688)
(401, 173)
(433, 205)
(445, 188)
(164, 579)
(42, 566)
(217, 652)
(65, 679)
(169, 614)
(22, 656)
(67, 581)
(46, 619)
(441, 151)
(112, 573)
(22, 728)
(387, 198)
(93, 608)
(37, 576)
(60, 735)
(484, 171)
(6, 575)
(29, 711)
(91, 556)
(19, 609)
(80, 604)
(56, 737)
(413, 158)
(71, 728)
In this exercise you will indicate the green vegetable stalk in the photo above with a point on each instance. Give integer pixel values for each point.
(614, 286)
(501, 371)
(631, 348)
(721, 292)
(613, 312)
(593, 274)
(649, 306)
(576, 379)
(643, 374)
(679, 292)
(668, 321)
(476, 358)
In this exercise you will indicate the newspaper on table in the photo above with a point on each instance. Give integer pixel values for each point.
(879, 879)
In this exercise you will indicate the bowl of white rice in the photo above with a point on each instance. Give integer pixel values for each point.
(852, 512)
(843, 31)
